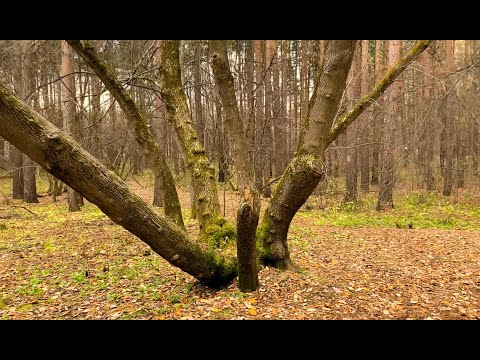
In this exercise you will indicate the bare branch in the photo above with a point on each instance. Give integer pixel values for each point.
(365, 102)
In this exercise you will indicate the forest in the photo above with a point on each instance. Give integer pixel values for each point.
(239, 179)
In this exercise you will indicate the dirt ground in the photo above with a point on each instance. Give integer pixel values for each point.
(60, 265)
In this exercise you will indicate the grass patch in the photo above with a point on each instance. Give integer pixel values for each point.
(420, 210)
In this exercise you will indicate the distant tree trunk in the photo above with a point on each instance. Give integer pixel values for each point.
(351, 133)
(28, 86)
(158, 130)
(304, 80)
(249, 87)
(364, 148)
(475, 128)
(461, 151)
(393, 102)
(462, 117)
(426, 123)
(278, 119)
(268, 119)
(448, 128)
(158, 190)
(69, 111)
(259, 114)
(197, 79)
(16, 156)
(380, 56)
(284, 86)
(17, 160)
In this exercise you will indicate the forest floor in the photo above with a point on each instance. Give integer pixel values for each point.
(357, 264)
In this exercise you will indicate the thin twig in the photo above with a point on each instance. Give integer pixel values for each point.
(270, 182)
(19, 206)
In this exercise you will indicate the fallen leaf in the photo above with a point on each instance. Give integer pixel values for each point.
(252, 311)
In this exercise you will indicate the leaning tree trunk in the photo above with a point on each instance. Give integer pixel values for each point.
(142, 134)
(307, 168)
(54, 150)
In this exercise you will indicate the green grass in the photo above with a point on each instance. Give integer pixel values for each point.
(422, 210)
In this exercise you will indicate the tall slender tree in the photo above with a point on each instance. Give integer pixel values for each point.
(388, 165)
(69, 111)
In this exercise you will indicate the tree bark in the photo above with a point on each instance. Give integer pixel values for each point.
(54, 151)
(425, 153)
(365, 138)
(259, 158)
(351, 133)
(202, 172)
(16, 155)
(248, 213)
(197, 79)
(142, 134)
(388, 166)
(28, 86)
(17, 161)
(377, 114)
(448, 128)
(267, 132)
(69, 110)
(4, 163)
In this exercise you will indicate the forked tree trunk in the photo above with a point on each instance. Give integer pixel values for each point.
(307, 168)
